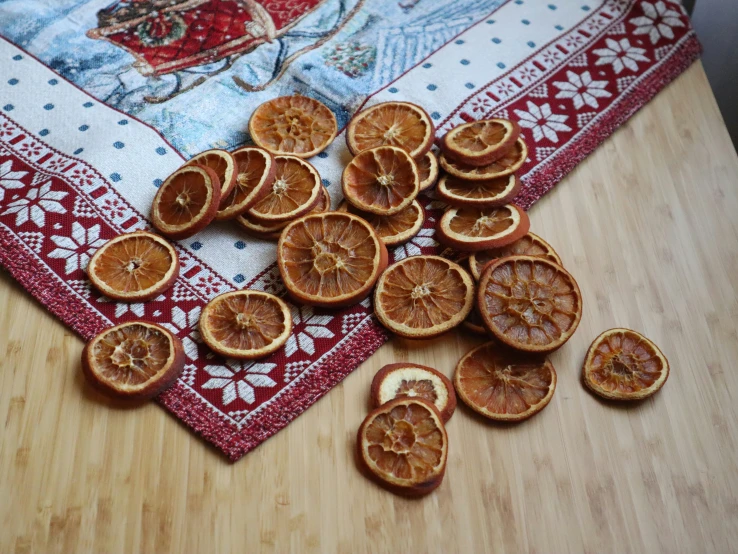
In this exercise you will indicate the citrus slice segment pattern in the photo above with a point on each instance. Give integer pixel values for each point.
(255, 176)
(483, 194)
(427, 170)
(472, 229)
(393, 229)
(481, 142)
(506, 165)
(224, 165)
(528, 245)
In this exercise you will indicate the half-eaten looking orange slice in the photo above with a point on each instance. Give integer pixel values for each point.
(255, 176)
(224, 165)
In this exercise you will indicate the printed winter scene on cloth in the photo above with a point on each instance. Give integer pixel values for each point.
(99, 103)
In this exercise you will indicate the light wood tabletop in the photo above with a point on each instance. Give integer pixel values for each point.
(647, 225)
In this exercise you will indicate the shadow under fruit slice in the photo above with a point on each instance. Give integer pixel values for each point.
(255, 175)
(624, 365)
(504, 385)
(296, 125)
(408, 380)
(482, 194)
(529, 304)
(423, 296)
(427, 170)
(528, 245)
(472, 229)
(330, 259)
(506, 165)
(481, 142)
(135, 360)
(245, 324)
(223, 164)
(392, 229)
(186, 202)
(404, 446)
(134, 267)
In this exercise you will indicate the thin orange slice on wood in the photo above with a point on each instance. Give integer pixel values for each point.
(506, 165)
(423, 296)
(224, 165)
(255, 176)
(136, 360)
(528, 245)
(245, 324)
(404, 446)
(330, 259)
(480, 142)
(382, 181)
(504, 385)
(482, 194)
(400, 124)
(295, 125)
(529, 304)
(392, 229)
(186, 202)
(134, 267)
(472, 229)
(427, 171)
(622, 364)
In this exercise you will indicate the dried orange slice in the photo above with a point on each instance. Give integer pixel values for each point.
(480, 142)
(506, 165)
(382, 181)
(408, 380)
(427, 170)
(423, 296)
(528, 303)
(255, 176)
(135, 360)
(245, 324)
(624, 365)
(528, 245)
(392, 229)
(330, 259)
(296, 125)
(482, 194)
(224, 165)
(134, 267)
(472, 229)
(400, 124)
(504, 385)
(186, 202)
(404, 446)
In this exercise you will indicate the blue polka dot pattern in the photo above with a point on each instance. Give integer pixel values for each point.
(115, 177)
(323, 155)
(43, 132)
(490, 22)
(326, 182)
(157, 182)
(161, 151)
(427, 65)
(531, 44)
(525, 22)
(53, 82)
(586, 8)
(8, 107)
(501, 65)
(48, 107)
(83, 128)
(464, 62)
(496, 40)
(240, 244)
(469, 85)
(13, 82)
(78, 151)
(239, 278)
(435, 115)
(551, 7)
(196, 245)
(123, 122)
(431, 87)
(88, 104)
(559, 28)
(118, 144)
(17, 57)
(393, 90)
(459, 41)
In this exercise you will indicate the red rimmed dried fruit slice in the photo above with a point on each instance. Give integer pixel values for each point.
(134, 267)
(409, 380)
(622, 364)
(427, 170)
(529, 304)
(528, 245)
(245, 324)
(295, 125)
(392, 229)
(504, 385)
(481, 194)
(330, 259)
(473, 229)
(224, 165)
(423, 296)
(135, 360)
(404, 446)
(255, 176)
(506, 165)
(400, 124)
(186, 202)
(481, 142)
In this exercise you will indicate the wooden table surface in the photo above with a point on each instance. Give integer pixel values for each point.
(647, 225)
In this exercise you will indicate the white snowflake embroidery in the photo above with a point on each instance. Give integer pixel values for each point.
(238, 379)
(315, 327)
(424, 239)
(582, 89)
(34, 206)
(657, 21)
(505, 89)
(186, 321)
(542, 121)
(122, 308)
(77, 248)
(620, 55)
(10, 179)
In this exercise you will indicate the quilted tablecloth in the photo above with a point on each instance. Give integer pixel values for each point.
(99, 102)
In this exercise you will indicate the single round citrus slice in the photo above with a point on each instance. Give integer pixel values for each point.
(382, 181)
(528, 245)
(399, 124)
(504, 385)
(506, 165)
(245, 324)
(296, 125)
(427, 171)
(474, 323)
(224, 165)
(624, 365)
(423, 296)
(330, 259)
(408, 380)
(472, 229)
(135, 360)
(392, 229)
(134, 267)
(295, 191)
(404, 446)
(481, 194)
(529, 304)
(186, 202)
(480, 142)
(254, 179)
